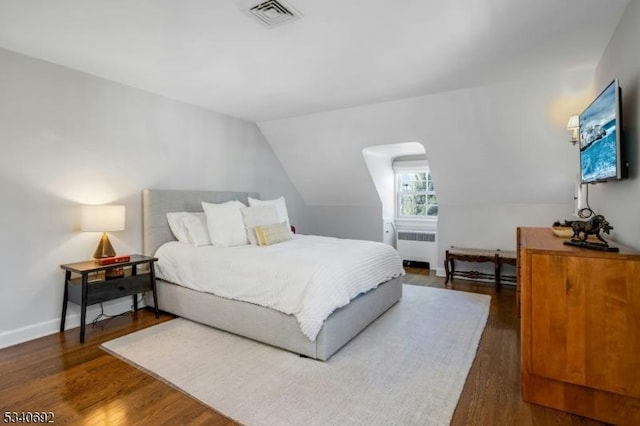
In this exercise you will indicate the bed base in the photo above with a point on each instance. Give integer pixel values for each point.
(275, 328)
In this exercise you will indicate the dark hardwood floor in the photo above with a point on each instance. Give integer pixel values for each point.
(81, 384)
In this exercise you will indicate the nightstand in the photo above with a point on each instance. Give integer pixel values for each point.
(92, 287)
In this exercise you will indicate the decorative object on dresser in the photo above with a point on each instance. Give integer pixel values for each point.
(94, 286)
(592, 227)
(102, 218)
(562, 230)
(473, 255)
(580, 331)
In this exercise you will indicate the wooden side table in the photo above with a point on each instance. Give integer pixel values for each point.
(83, 292)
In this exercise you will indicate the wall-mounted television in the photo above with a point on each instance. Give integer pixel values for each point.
(601, 156)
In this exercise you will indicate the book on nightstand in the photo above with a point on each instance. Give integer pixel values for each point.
(112, 260)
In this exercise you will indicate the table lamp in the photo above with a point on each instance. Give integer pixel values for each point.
(103, 218)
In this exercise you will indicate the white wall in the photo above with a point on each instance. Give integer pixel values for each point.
(620, 201)
(501, 150)
(68, 139)
(356, 222)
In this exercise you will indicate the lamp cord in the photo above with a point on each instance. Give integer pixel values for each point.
(586, 212)
(102, 315)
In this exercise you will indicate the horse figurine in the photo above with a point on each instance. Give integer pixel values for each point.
(582, 229)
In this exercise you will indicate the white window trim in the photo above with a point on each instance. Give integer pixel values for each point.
(410, 166)
(401, 167)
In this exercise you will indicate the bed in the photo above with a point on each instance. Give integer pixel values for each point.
(247, 319)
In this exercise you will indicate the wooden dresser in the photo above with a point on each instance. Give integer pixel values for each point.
(580, 327)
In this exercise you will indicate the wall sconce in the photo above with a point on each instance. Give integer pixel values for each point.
(573, 125)
(102, 219)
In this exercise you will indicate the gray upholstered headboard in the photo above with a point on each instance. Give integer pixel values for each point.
(156, 203)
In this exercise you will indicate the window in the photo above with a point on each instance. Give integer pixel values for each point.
(416, 195)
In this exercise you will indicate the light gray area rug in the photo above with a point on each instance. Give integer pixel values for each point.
(408, 367)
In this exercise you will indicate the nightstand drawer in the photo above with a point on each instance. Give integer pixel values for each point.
(102, 291)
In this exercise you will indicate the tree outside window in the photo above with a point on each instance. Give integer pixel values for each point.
(416, 195)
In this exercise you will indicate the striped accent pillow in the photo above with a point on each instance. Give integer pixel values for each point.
(272, 234)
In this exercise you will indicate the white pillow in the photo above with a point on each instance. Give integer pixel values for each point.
(177, 226)
(256, 216)
(189, 228)
(197, 231)
(281, 206)
(225, 224)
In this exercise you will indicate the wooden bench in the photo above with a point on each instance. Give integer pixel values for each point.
(497, 257)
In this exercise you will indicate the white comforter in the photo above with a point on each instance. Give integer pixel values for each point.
(308, 277)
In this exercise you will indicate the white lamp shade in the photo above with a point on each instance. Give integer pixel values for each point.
(102, 218)
(573, 123)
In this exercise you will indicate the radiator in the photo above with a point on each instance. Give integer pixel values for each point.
(416, 246)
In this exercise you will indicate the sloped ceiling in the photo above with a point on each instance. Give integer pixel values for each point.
(498, 144)
(340, 54)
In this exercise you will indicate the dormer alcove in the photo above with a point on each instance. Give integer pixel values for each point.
(402, 178)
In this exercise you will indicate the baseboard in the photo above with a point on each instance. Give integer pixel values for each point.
(34, 331)
(440, 272)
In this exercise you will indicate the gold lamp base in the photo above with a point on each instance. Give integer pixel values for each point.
(104, 249)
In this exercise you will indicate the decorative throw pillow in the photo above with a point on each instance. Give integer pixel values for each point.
(225, 224)
(272, 234)
(258, 215)
(280, 204)
(197, 231)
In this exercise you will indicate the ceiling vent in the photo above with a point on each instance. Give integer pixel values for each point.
(271, 13)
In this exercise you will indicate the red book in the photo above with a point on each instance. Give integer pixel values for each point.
(113, 260)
